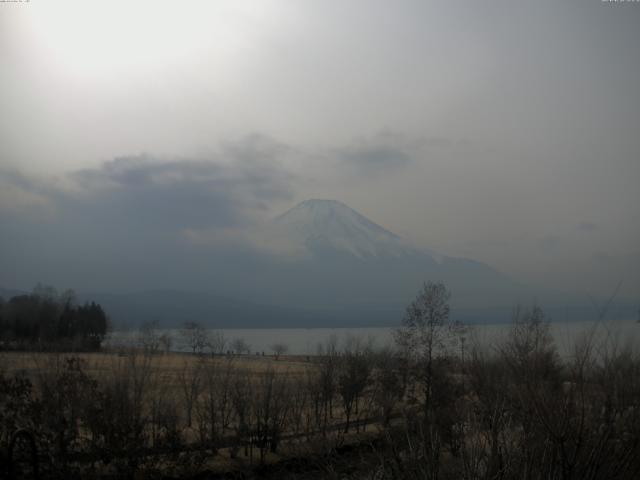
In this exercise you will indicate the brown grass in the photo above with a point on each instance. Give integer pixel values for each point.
(98, 363)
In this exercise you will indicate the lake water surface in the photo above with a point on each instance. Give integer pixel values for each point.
(305, 341)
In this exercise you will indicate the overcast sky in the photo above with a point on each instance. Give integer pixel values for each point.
(507, 132)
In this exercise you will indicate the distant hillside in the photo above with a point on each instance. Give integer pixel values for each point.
(7, 293)
(322, 264)
(172, 308)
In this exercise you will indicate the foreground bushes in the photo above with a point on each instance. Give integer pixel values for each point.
(514, 411)
(520, 411)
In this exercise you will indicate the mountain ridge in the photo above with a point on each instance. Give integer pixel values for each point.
(335, 268)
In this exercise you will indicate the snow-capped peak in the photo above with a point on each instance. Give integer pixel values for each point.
(319, 224)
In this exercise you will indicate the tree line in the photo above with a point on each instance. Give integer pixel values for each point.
(47, 319)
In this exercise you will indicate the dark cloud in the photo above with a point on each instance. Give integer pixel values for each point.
(136, 202)
(181, 193)
(124, 222)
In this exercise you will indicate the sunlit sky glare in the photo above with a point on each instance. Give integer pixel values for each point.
(502, 131)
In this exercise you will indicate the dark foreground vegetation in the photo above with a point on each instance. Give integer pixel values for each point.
(45, 319)
(435, 407)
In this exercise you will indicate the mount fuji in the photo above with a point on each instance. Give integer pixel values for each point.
(321, 226)
(322, 264)
(331, 256)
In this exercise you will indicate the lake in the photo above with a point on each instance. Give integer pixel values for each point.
(305, 341)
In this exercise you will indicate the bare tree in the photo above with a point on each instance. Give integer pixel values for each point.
(190, 381)
(216, 342)
(166, 340)
(118, 419)
(241, 395)
(195, 336)
(270, 405)
(300, 405)
(148, 337)
(279, 349)
(388, 387)
(354, 377)
(240, 346)
(425, 332)
(164, 420)
(327, 379)
(214, 412)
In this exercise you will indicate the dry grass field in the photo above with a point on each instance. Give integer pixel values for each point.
(99, 363)
(227, 412)
(354, 414)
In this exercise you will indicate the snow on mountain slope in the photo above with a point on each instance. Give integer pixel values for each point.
(346, 259)
(319, 225)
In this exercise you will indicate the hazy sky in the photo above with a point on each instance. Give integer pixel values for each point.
(507, 132)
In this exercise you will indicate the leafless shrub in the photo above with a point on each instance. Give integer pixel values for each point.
(279, 349)
(270, 405)
(190, 380)
(300, 406)
(241, 394)
(215, 410)
(354, 376)
(118, 420)
(388, 388)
